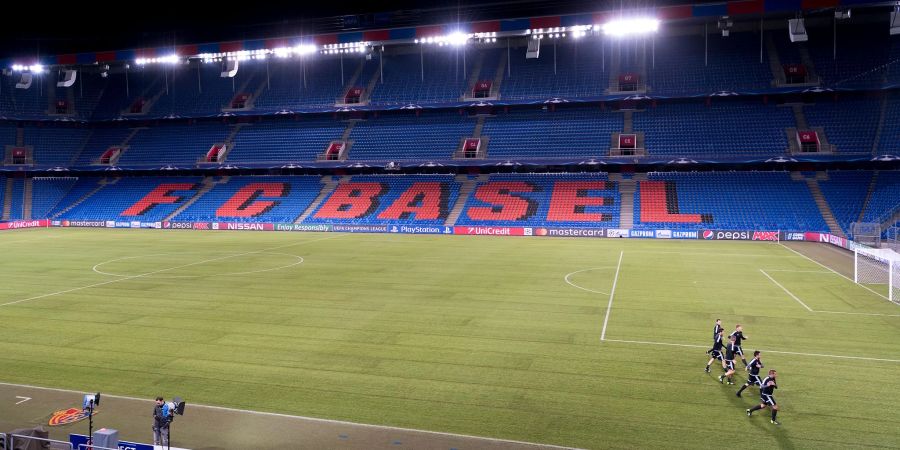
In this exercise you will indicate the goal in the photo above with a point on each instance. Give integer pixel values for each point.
(880, 267)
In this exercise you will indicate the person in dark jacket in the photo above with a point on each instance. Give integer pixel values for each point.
(160, 424)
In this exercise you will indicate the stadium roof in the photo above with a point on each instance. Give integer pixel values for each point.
(55, 39)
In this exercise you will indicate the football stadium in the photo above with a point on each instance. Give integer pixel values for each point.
(481, 225)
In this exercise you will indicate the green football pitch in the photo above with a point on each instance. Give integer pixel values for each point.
(593, 343)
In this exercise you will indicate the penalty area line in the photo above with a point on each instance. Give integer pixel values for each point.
(833, 271)
(786, 291)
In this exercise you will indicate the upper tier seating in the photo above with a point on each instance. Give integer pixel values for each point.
(721, 129)
(566, 132)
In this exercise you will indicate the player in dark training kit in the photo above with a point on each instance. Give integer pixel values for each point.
(753, 377)
(717, 329)
(715, 353)
(738, 335)
(766, 397)
(728, 362)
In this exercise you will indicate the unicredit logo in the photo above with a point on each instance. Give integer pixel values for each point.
(708, 234)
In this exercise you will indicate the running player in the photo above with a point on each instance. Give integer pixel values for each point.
(717, 329)
(728, 362)
(738, 335)
(766, 390)
(753, 377)
(715, 353)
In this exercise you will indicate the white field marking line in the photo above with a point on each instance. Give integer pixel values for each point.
(103, 283)
(24, 399)
(799, 271)
(830, 269)
(612, 293)
(583, 288)
(826, 312)
(699, 253)
(311, 419)
(299, 260)
(863, 358)
(786, 291)
(859, 313)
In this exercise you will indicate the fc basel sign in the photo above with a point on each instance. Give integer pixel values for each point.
(67, 416)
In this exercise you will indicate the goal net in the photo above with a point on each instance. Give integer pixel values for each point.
(878, 267)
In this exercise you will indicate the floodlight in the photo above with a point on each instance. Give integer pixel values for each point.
(628, 27)
(37, 68)
(305, 49)
(457, 38)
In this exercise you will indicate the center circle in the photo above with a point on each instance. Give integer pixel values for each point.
(569, 275)
(175, 265)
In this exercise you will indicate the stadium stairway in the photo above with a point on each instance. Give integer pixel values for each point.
(100, 185)
(26, 199)
(880, 128)
(328, 185)
(824, 209)
(466, 186)
(865, 204)
(208, 183)
(627, 187)
(351, 83)
(474, 76)
(774, 61)
(7, 200)
(893, 219)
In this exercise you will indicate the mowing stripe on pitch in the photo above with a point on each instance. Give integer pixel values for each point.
(820, 355)
(117, 280)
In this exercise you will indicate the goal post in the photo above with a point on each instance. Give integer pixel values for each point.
(873, 266)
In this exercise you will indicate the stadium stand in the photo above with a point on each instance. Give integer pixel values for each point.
(721, 129)
(55, 145)
(48, 194)
(389, 200)
(254, 199)
(563, 200)
(849, 123)
(406, 135)
(285, 140)
(419, 78)
(16, 211)
(889, 144)
(294, 85)
(566, 132)
(576, 71)
(732, 65)
(846, 193)
(725, 200)
(173, 144)
(885, 198)
(143, 199)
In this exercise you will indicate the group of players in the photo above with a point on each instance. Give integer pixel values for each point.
(732, 350)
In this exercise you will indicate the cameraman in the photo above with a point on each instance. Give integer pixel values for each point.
(160, 424)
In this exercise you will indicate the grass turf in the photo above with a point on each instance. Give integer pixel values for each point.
(472, 335)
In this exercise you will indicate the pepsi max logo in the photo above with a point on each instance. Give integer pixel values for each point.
(708, 234)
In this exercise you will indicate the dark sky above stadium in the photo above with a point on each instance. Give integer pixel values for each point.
(31, 29)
